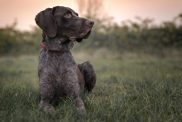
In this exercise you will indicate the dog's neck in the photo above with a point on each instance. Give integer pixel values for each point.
(56, 44)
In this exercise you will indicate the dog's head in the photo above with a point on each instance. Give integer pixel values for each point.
(63, 22)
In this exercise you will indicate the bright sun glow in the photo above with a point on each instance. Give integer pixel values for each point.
(24, 11)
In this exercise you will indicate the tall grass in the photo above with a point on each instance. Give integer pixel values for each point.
(129, 89)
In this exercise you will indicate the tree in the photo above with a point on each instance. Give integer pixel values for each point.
(90, 8)
(178, 19)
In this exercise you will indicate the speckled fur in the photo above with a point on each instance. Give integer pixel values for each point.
(58, 73)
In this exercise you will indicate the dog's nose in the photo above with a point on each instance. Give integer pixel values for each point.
(90, 23)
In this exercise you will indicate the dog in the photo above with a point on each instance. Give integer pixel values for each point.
(59, 75)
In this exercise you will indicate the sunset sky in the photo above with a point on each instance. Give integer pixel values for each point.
(24, 11)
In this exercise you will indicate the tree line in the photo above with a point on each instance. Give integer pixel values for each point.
(139, 35)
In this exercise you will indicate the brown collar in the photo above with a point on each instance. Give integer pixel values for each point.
(43, 46)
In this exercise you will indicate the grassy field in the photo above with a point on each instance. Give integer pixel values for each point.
(130, 88)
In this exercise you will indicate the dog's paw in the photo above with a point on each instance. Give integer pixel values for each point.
(47, 109)
(81, 111)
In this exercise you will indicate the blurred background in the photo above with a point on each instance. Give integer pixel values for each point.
(139, 26)
(135, 48)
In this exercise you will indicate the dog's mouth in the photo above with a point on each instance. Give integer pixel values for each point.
(85, 34)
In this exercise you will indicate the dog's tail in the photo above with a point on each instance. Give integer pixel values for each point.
(89, 75)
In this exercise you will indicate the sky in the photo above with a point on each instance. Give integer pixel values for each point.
(24, 11)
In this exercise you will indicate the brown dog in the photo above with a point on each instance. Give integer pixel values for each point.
(59, 75)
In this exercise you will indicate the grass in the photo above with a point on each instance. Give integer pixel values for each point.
(130, 88)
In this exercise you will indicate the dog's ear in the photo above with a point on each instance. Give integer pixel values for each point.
(45, 21)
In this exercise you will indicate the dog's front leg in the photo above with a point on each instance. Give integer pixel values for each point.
(46, 107)
(46, 95)
(74, 92)
(80, 107)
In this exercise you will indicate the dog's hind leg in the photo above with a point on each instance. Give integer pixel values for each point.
(89, 75)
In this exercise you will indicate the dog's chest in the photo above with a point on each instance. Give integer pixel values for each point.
(61, 66)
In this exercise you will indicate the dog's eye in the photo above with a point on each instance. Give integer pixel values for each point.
(68, 15)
